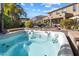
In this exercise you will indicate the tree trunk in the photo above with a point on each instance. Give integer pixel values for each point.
(1, 18)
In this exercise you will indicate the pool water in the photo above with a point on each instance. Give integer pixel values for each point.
(29, 43)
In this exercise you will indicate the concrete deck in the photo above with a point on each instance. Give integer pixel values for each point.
(74, 40)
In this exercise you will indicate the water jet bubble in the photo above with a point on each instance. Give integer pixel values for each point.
(39, 36)
(3, 44)
(24, 45)
(56, 35)
(7, 46)
(45, 55)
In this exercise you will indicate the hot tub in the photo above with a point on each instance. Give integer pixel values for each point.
(35, 43)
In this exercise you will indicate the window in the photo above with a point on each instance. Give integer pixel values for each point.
(60, 15)
(74, 8)
(57, 13)
(64, 11)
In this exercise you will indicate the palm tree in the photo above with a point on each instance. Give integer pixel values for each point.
(14, 10)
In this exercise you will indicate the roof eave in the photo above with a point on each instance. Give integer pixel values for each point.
(61, 8)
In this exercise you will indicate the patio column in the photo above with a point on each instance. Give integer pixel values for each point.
(43, 20)
(1, 17)
(50, 22)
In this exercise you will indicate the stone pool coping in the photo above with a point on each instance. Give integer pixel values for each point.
(74, 38)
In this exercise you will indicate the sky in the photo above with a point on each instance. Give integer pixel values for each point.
(36, 9)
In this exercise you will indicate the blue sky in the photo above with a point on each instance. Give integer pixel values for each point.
(35, 9)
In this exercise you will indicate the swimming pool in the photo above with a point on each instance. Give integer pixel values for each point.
(34, 43)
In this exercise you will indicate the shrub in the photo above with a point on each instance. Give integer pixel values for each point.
(16, 24)
(28, 24)
(45, 22)
(22, 24)
(76, 27)
(67, 23)
(7, 22)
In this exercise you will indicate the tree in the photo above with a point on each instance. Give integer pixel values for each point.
(68, 23)
(12, 13)
(29, 23)
(14, 10)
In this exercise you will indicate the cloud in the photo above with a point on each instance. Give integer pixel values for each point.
(49, 4)
(58, 3)
(53, 9)
(34, 9)
(23, 4)
(45, 11)
(38, 10)
(31, 4)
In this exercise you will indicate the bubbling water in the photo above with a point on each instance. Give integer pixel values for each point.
(55, 38)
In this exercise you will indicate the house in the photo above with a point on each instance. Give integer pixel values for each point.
(23, 19)
(66, 12)
(39, 17)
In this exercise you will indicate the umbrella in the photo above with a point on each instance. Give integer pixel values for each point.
(75, 17)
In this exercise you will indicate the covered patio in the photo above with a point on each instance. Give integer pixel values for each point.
(76, 17)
